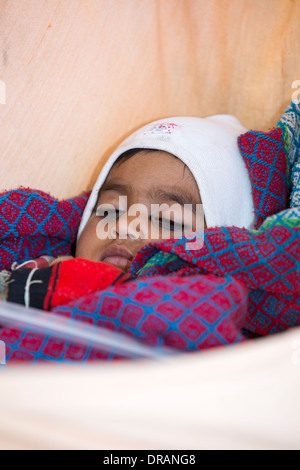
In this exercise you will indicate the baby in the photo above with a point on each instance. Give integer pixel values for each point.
(181, 164)
(152, 186)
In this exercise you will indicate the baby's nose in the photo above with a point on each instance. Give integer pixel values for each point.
(131, 226)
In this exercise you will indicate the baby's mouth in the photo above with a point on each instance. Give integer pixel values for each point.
(119, 261)
(118, 256)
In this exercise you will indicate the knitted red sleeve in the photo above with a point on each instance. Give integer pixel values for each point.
(76, 277)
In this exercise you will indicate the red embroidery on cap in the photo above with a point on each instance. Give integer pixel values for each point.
(162, 128)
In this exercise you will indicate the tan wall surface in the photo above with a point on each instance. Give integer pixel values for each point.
(80, 75)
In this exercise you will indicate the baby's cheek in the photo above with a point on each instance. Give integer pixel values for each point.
(86, 240)
(90, 246)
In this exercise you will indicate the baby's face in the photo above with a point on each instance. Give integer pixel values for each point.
(146, 178)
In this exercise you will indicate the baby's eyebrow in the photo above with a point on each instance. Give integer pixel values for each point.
(115, 186)
(162, 193)
(171, 193)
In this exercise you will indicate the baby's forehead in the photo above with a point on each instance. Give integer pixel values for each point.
(150, 175)
(150, 163)
(115, 191)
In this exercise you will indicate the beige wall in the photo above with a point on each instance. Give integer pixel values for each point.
(81, 75)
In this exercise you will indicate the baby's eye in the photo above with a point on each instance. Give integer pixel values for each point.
(166, 223)
(108, 212)
(112, 213)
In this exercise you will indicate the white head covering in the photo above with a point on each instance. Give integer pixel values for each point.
(208, 146)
